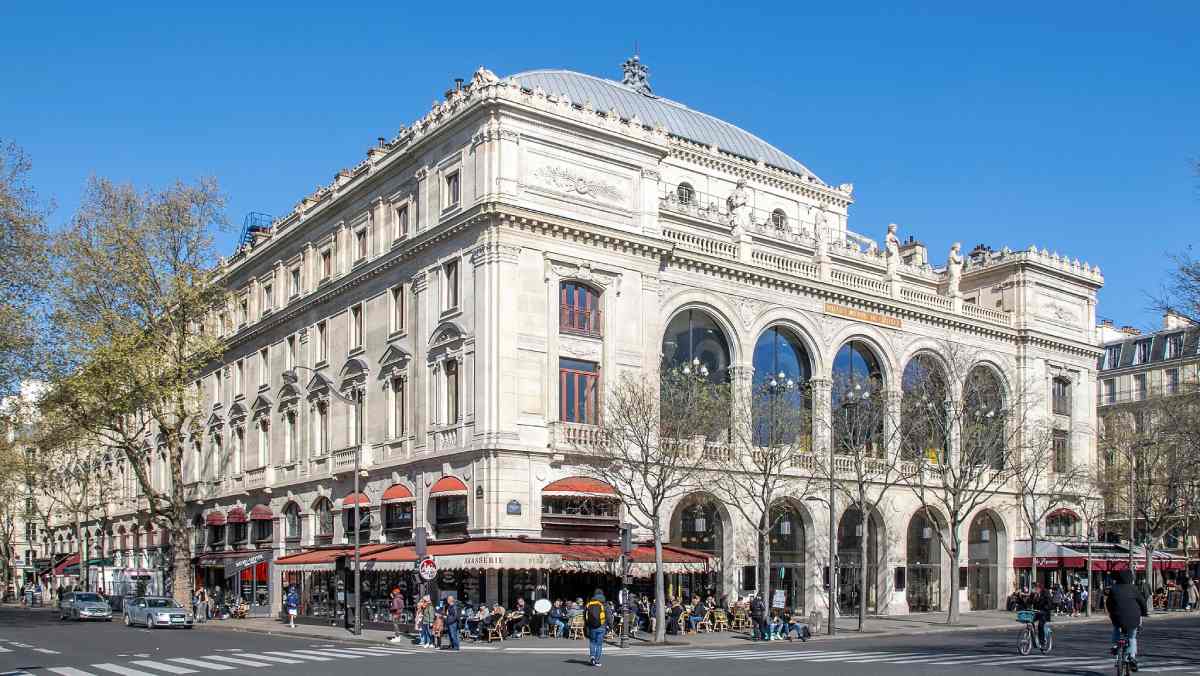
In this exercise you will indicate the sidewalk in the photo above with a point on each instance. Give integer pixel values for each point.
(875, 627)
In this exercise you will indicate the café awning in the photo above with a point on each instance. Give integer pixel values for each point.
(72, 560)
(324, 558)
(448, 485)
(579, 486)
(1049, 555)
(397, 493)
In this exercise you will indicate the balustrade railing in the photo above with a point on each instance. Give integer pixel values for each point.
(447, 438)
(788, 264)
(927, 299)
(256, 478)
(699, 243)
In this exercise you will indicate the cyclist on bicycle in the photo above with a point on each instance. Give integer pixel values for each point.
(1043, 604)
(1126, 607)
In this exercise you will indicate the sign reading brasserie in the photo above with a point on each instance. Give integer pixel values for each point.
(862, 315)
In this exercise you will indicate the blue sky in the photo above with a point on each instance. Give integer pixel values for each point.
(1066, 124)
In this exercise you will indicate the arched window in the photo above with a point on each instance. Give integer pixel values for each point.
(323, 510)
(781, 407)
(924, 593)
(1061, 395)
(983, 428)
(1062, 524)
(685, 194)
(924, 420)
(579, 309)
(291, 521)
(851, 532)
(858, 407)
(983, 562)
(694, 341)
(697, 525)
(779, 219)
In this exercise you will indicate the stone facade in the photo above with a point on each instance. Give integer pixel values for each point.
(428, 279)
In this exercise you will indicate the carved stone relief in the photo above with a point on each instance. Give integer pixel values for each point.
(571, 180)
(580, 348)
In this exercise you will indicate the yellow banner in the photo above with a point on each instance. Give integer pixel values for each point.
(862, 315)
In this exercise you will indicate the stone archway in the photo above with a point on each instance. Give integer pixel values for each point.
(984, 545)
(925, 562)
(700, 523)
(851, 531)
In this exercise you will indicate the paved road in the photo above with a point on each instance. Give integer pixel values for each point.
(36, 643)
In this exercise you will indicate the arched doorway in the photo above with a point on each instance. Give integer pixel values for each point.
(788, 540)
(983, 562)
(851, 532)
(697, 524)
(924, 590)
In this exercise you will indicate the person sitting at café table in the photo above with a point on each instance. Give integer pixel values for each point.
(797, 624)
(476, 620)
(695, 614)
(674, 613)
(557, 617)
(775, 626)
(494, 619)
(518, 618)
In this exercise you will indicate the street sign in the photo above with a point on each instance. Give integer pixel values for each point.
(780, 599)
(427, 568)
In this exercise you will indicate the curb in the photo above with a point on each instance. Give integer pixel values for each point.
(843, 634)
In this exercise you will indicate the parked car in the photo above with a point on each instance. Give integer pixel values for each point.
(83, 606)
(156, 611)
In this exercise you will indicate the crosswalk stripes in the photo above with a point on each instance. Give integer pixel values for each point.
(163, 666)
(121, 670)
(191, 662)
(238, 660)
(271, 658)
(311, 658)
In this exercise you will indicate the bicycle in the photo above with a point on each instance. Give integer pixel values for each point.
(1124, 661)
(1029, 637)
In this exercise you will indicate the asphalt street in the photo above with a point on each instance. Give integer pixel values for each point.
(35, 642)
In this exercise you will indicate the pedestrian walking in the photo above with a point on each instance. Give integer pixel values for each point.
(596, 621)
(397, 611)
(450, 618)
(293, 605)
(758, 613)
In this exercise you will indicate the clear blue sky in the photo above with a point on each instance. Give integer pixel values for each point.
(1065, 124)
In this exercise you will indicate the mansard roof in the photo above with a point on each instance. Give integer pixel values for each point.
(653, 110)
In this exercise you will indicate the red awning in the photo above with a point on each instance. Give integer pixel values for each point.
(215, 519)
(355, 499)
(579, 485)
(397, 493)
(1063, 511)
(325, 558)
(236, 515)
(448, 485)
(261, 513)
(71, 560)
(1052, 562)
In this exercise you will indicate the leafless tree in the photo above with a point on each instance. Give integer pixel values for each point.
(772, 440)
(1090, 500)
(657, 433)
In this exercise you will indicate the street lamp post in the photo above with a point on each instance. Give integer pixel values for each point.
(290, 378)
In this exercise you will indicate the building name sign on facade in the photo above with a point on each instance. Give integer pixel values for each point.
(862, 315)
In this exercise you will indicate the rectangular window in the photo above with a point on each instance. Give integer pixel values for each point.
(268, 298)
(1112, 356)
(357, 418)
(402, 222)
(291, 353)
(322, 429)
(450, 276)
(1110, 391)
(452, 189)
(295, 282)
(356, 326)
(1174, 346)
(239, 449)
(398, 308)
(326, 264)
(452, 411)
(322, 342)
(238, 373)
(1062, 396)
(289, 437)
(1062, 451)
(396, 424)
(1141, 422)
(579, 309)
(578, 391)
(1141, 353)
(1141, 391)
(218, 457)
(264, 367)
(243, 311)
(360, 244)
(264, 444)
(1172, 381)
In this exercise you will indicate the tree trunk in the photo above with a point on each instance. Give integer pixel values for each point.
(764, 561)
(1033, 557)
(863, 567)
(1150, 570)
(952, 613)
(1087, 605)
(660, 597)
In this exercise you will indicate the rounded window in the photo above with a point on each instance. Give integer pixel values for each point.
(779, 219)
(685, 194)
(782, 407)
(693, 341)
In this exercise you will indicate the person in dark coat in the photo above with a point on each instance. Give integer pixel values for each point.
(1126, 608)
(1043, 604)
(758, 615)
(450, 620)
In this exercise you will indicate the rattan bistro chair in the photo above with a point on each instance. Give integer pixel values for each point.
(576, 627)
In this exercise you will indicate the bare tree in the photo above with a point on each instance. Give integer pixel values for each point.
(865, 431)
(138, 282)
(1046, 480)
(1091, 500)
(657, 432)
(982, 428)
(772, 440)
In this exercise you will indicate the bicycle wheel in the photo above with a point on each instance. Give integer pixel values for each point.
(1122, 665)
(1048, 644)
(1025, 643)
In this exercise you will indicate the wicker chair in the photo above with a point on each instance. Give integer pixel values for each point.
(575, 627)
(720, 621)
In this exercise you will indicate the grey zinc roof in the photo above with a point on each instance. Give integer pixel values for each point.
(677, 118)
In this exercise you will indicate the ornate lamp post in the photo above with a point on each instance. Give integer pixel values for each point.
(290, 378)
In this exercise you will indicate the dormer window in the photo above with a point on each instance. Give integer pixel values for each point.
(1112, 356)
(779, 219)
(579, 309)
(1141, 352)
(685, 194)
(1174, 346)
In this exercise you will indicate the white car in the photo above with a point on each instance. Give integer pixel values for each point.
(83, 606)
(156, 611)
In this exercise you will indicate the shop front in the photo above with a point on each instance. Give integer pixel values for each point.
(234, 575)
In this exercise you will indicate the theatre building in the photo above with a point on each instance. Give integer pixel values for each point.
(458, 304)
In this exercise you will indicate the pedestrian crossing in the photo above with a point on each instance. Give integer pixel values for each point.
(230, 661)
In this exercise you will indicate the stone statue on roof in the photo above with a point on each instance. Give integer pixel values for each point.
(738, 204)
(484, 76)
(891, 245)
(954, 265)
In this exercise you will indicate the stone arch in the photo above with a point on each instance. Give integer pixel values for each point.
(790, 563)
(850, 530)
(721, 530)
(799, 324)
(929, 572)
(716, 306)
(987, 552)
(873, 336)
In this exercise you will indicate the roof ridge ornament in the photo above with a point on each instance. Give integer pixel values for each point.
(636, 75)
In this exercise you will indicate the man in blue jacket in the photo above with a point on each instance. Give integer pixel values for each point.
(596, 621)
(450, 619)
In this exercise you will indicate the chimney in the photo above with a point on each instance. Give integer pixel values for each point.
(1174, 320)
(1130, 331)
(458, 84)
(1107, 322)
(382, 141)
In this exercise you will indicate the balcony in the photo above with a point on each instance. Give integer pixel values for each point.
(342, 460)
(575, 436)
(447, 438)
(256, 478)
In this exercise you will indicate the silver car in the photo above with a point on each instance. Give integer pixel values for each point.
(83, 606)
(156, 611)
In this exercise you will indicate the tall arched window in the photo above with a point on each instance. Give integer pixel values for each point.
(781, 407)
(858, 407)
(924, 421)
(697, 525)
(685, 194)
(323, 510)
(693, 340)
(983, 427)
(579, 309)
(291, 521)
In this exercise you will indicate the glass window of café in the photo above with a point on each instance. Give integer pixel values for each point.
(450, 516)
(398, 521)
